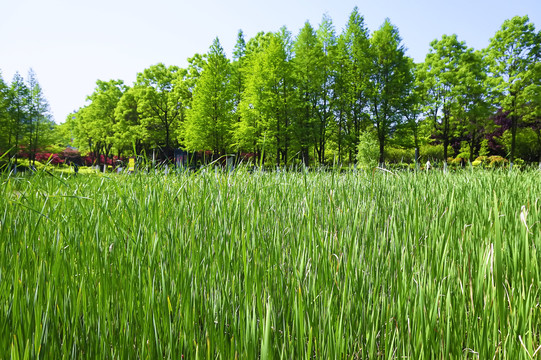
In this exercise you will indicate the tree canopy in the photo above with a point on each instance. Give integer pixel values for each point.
(309, 98)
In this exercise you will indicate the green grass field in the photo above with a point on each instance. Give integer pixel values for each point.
(319, 265)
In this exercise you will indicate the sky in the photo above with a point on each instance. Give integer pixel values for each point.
(72, 43)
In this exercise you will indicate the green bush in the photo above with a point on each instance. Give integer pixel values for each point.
(496, 161)
(433, 153)
(368, 149)
(458, 161)
(399, 155)
(519, 162)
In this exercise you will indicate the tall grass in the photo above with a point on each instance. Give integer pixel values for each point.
(270, 265)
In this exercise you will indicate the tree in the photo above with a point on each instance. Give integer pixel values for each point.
(266, 104)
(130, 133)
(536, 127)
(415, 102)
(39, 118)
(533, 91)
(472, 107)
(308, 75)
(346, 130)
(161, 100)
(238, 70)
(17, 112)
(328, 42)
(439, 74)
(389, 83)
(249, 132)
(4, 116)
(513, 56)
(209, 121)
(368, 148)
(94, 124)
(355, 77)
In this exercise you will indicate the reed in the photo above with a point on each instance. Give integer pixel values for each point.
(287, 265)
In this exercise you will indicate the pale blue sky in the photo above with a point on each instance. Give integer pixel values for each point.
(72, 43)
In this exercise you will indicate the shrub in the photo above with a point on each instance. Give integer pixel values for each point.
(497, 161)
(431, 153)
(398, 155)
(519, 162)
(368, 150)
(458, 161)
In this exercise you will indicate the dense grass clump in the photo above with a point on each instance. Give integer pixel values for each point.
(271, 265)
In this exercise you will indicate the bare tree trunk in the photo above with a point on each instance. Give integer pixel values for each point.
(513, 141)
(381, 161)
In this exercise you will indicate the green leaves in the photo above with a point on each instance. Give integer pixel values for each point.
(267, 102)
(162, 101)
(270, 264)
(290, 100)
(441, 77)
(513, 55)
(389, 83)
(26, 124)
(209, 121)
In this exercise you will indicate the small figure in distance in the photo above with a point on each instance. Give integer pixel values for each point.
(428, 166)
(76, 168)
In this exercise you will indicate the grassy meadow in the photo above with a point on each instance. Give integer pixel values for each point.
(292, 265)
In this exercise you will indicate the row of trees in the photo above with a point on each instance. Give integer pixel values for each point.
(279, 97)
(26, 125)
(321, 97)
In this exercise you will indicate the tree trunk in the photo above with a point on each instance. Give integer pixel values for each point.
(445, 145)
(305, 156)
(278, 141)
(35, 144)
(472, 145)
(381, 162)
(340, 137)
(416, 143)
(513, 140)
(538, 131)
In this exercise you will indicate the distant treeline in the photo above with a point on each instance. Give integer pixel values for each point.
(322, 97)
(26, 125)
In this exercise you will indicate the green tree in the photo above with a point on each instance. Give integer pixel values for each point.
(439, 74)
(249, 131)
(18, 114)
(389, 84)
(131, 135)
(534, 93)
(415, 102)
(328, 43)
(308, 75)
(354, 75)
(368, 148)
(473, 107)
(162, 104)
(94, 124)
(513, 57)
(40, 123)
(266, 105)
(192, 74)
(238, 70)
(4, 116)
(209, 122)
(343, 134)
(284, 87)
